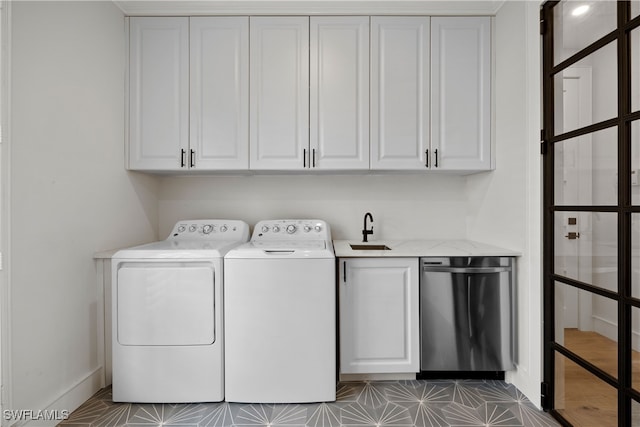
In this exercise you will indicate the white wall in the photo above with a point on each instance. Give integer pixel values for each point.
(415, 206)
(505, 206)
(500, 207)
(70, 195)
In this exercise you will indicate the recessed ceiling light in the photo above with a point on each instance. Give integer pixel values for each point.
(580, 10)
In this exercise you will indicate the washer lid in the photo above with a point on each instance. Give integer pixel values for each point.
(283, 249)
(179, 249)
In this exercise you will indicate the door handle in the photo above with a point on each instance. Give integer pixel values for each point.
(572, 235)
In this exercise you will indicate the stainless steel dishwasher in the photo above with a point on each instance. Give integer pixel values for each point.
(467, 320)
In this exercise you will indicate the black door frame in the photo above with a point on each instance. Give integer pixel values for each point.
(624, 210)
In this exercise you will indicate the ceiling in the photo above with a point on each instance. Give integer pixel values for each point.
(308, 7)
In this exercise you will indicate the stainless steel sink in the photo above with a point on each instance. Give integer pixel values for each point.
(370, 247)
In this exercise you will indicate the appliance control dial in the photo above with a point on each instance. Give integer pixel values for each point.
(318, 228)
(276, 229)
(181, 228)
(307, 228)
(192, 228)
(291, 229)
(265, 228)
(207, 228)
(224, 228)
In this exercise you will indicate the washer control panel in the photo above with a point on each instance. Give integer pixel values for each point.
(294, 229)
(210, 229)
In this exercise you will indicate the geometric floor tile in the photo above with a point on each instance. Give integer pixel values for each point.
(408, 403)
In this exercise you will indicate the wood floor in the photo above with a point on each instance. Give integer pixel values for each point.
(582, 398)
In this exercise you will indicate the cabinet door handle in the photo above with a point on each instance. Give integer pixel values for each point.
(314, 157)
(304, 157)
(436, 155)
(192, 159)
(183, 157)
(426, 156)
(344, 272)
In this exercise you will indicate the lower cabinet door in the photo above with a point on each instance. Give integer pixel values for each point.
(379, 315)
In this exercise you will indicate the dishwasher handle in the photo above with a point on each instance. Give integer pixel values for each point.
(466, 270)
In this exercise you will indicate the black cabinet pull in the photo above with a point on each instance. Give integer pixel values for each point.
(426, 156)
(314, 157)
(304, 157)
(192, 159)
(183, 157)
(344, 271)
(436, 154)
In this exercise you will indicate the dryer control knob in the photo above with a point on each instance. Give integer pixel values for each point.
(307, 228)
(291, 229)
(276, 229)
(181, 228)
(223, 228)
(208, 228)
(192, 228)
(318, 228)
(265, 228)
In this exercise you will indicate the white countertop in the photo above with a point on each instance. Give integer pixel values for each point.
(421, 248)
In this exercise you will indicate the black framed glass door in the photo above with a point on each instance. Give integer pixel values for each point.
(591, 152)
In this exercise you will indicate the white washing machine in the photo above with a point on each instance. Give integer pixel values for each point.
(280, 315)
(167, 314)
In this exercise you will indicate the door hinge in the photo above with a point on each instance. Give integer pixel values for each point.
(543, 23)
(544, 394)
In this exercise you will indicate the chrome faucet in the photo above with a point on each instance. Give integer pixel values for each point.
(366, 232)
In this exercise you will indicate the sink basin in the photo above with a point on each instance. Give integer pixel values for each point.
(370, 247)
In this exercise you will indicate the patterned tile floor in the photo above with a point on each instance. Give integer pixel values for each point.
(419, 403)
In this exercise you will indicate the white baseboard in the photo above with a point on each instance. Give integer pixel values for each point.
(609, 329)
(377, 377)
(63, 405)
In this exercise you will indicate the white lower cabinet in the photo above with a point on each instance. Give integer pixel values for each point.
(379, 315)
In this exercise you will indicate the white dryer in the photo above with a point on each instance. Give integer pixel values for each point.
(167, 314)
(280, 315)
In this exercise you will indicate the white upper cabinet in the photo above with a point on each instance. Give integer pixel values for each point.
(219, 67)
(309, 93)
(399, 92)
(339, 92)
(279, 96)
(461, 93)
(158, 93)
(189, 93)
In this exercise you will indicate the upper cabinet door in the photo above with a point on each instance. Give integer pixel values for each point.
(399, 92)
(158, 93)
(279, 96)
(219, 67)
(339, 108)
(461, 92)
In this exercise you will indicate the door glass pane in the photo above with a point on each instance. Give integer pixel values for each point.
(585, 169)
(586, 92)
(586, 247)
(635, 8)
(635, 350)
(582, 398)
(585, 323)
(635, 69)
(579, 23)
(635, 255)
(635, 162)
(635, 413)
